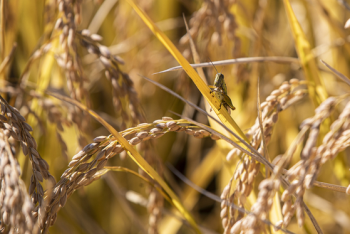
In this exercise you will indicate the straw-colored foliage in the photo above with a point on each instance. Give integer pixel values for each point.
(99, 133)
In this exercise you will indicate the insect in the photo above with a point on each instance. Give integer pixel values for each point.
(220, 90)
(225, 100)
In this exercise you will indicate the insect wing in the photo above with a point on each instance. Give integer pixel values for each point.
(224, 87)
(228, 101)
(217, 80)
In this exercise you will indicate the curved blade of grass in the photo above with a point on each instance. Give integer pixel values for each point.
(7, 60)
(276, 213)
(203, 88)
(333, 23)
(338, 74)
(123, 169)
(218, 199)
(254, 154)
(100, 15)
(138, 159)
(42, 82)
(238, 61)
(195, 54)
(211, 164)
(2, 34)
(316, 88)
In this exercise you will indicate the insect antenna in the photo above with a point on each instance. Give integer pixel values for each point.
(213, 65)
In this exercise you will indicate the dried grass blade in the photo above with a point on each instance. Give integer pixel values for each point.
(124, 169)
(203, 88)
(121, 195)
(138, 159)
(42, 82)
(2, 29)
(338, 74)
(333, 187)
(211, 164)
(195, 53)
(100, 15)
(6, 60)
(238, 61)
(261, 125)
(255, 155)
(316, 88)
(244, 142)
(287, 157)
(218, 199)
(312, 218)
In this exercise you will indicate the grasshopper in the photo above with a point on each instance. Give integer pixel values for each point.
(220, 90)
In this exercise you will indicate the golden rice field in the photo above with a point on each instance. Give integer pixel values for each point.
(211, 116)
